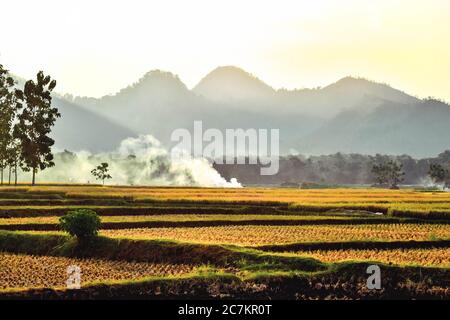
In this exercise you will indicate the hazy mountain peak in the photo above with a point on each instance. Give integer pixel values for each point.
(360, 87)
(160, 79)
(230, 83)
(154, 85)
(158, 74)
(352, 79)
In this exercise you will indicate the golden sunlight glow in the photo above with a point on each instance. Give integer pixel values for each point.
(97, 47)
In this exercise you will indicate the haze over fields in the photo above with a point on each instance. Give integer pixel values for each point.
(352, 115)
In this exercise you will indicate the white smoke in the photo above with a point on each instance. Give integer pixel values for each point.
(429, 183)
(137, 161)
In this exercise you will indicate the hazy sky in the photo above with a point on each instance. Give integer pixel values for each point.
(95, 47)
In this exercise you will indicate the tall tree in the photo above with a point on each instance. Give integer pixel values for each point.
(101, 172)
(14, 160)
(395, 173)
(35, 122)
(380, 173)
(7, 112)
(388, 173)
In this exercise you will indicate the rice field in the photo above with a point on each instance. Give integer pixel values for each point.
(27, 271)
(173, 218)
(405, 202)
(433, 257)
(200, 224)
(277, 235)
(276, 195)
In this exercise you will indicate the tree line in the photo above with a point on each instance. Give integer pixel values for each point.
(391, 173)
(26, 120)
(346, 169)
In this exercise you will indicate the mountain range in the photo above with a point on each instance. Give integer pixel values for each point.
(353, 115)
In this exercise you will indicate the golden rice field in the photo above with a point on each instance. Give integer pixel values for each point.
(273, 235)
(244, 194)
(123, 206)
(436, 257)
(405, 199)
(172, 218)
(26, 271)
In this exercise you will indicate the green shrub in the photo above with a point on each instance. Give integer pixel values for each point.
(81, 223)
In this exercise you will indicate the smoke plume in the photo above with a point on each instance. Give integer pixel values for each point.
(137, 161)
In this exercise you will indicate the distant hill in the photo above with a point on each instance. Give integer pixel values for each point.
(421, 128)
(345, 94)
(233, 85)
(81, 129)
(159, 103)
(353, 115)
(156, 104)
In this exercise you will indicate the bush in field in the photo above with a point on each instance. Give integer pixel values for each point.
(83, 223)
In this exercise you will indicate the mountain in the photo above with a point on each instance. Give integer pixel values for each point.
(156, 104)
(233, 85)
(345, 94)
(352, 115)
(350, 88)
(420, 128)
(159, 103)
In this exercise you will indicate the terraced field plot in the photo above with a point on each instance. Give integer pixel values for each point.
(436, 257)
(266, 235)
(26, 271)
(398, 201)
(174, 218)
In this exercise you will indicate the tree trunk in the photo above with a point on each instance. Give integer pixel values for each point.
(33, 182)
(1, 176)
(9, 177)
(15, 174)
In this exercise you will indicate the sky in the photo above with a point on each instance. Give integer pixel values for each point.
(96, 47)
